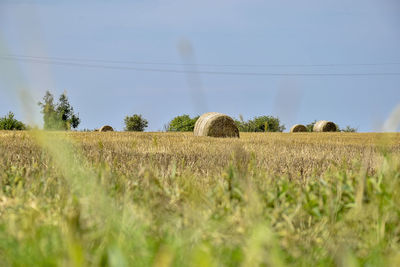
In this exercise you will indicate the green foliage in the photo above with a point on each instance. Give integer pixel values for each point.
(349, 129)
(182, 123)
(310, 126)
(260, 124)
(66, 112)
(242, 125)
(135, 123)
(58, 116)
(8, 122)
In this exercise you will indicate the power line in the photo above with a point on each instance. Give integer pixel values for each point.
(74, 59)
(75, 64)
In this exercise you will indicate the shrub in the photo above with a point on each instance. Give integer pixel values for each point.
(182, 123)
(8, 122)
(310, 126)
(242, 125)
(135, 123)
(260, 124)
(349, 129)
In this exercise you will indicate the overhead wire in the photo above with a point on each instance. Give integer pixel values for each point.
(75, 59)
(162, 70)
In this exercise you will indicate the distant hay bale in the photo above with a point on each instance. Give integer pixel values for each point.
(298, 128)
(324, 126)
(216, 125)
(106, 128)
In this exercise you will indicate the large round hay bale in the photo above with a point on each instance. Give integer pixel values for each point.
(215, 125)
(298, 128)
(324, 126)
(106, 128)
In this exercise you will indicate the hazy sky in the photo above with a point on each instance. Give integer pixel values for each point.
(243, 36)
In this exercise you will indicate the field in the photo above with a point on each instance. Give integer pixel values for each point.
(162, 199)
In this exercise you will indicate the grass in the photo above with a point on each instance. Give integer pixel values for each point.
(162, 199)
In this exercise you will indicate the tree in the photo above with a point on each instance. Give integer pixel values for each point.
(66, 112)
(8, 122)
(182, 123)
(135, 123)
(260, 124)
(266, 124)
(49, 112)
(58, 116)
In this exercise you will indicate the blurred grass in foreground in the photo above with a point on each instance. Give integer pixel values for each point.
(123, 199)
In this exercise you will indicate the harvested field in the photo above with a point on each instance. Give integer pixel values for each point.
(189, 194)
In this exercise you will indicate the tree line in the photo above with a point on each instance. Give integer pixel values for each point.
(60, 115)
(184, 123)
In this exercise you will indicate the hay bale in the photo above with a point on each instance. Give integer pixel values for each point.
(324, 126)
(106, 128)
(215, 125)
(298, 128)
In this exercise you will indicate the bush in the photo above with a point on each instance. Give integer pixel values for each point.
(135, 123)
(242, 125)
(182, 123)
(310, 126)
(59, 116)
(8, 122)
(260, 124)
(349, 129)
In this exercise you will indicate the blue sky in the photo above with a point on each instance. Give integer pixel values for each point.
(225, 32)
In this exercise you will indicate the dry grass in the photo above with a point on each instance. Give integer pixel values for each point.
(142, 198)
(278, 154)
(215, 125)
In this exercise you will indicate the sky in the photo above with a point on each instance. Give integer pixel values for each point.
(163, 58)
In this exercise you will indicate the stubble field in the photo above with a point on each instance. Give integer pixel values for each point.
(162, 199)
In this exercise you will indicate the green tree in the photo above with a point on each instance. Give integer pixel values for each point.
(58, 116)
(66, 112)
(267, 124)
(135, 123)
(50, 118)
(182, 123)
(9, 122)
